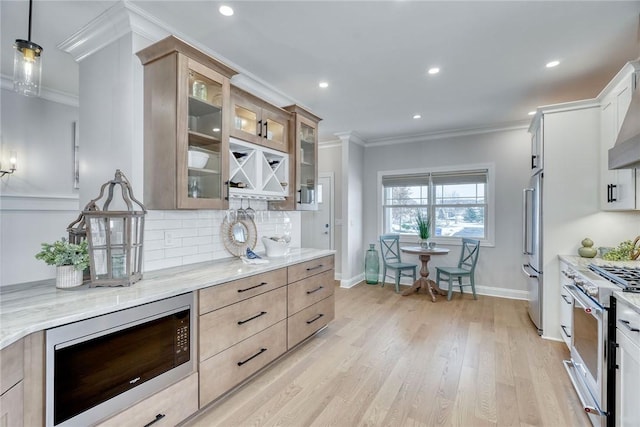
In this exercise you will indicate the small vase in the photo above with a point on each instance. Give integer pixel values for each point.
(68, 277)
(424, 243)
(371, 265)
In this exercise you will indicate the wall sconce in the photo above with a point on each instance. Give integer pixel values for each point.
(27, 66)
(13, 164)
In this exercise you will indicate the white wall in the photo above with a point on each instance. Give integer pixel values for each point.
(498, 271)
(38, 201)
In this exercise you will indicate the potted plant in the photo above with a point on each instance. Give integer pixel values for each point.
(424, 229)
(70, 260)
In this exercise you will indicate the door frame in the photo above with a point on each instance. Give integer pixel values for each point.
(332, 207)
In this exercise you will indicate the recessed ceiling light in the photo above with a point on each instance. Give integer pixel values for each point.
(433, 70)
(226, 10)
(417, 116)
(532, 113)
(553, 64)
(323, 85)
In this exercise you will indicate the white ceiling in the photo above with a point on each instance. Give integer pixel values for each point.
(375, 54)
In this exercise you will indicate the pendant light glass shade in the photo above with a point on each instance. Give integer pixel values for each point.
(27, 65)
(27, 68)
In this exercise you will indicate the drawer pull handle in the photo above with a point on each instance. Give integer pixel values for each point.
(564, 329)
(314, 319)
(252, 287)
(315, 290)
(315, 268)
(158, 418)
(242, 322)
(262, 350)
(628, 326)
(567, 300)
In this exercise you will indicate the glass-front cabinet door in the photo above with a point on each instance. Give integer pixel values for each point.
(308, 165)
(204, 179)
(259, 122)
(186, 127)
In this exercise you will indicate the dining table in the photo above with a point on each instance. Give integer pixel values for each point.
(423, 282)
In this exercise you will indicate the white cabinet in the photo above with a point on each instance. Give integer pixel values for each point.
(537, 130)
(566, 305)
(628, 365)
(257, 172)
(619, 188)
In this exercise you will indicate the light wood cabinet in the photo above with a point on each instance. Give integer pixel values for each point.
(186, 132)
(303, 194)
(223, 328)
(310, 298)
(216, 297)
(259, 122)
(11, 385)
(166, 408)
(627, 412)
(619, 189)
(222, 372)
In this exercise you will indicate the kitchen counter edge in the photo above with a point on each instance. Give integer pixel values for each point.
(582, 263)
(31, 307)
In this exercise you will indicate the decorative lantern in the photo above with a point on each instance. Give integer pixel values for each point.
(77, 234)
(115, 237)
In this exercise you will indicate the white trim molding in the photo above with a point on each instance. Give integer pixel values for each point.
(52, 95)
(350, 283)
(47, 202)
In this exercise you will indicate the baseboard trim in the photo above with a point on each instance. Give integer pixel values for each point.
(480, 290)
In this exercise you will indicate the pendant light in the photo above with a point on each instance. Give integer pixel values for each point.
(27, 66)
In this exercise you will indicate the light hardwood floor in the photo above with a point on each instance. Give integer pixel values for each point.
(389, 360)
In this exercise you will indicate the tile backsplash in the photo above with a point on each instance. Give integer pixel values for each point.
(174, 238)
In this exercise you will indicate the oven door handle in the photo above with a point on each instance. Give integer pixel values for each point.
(583, 302)
(586, 400)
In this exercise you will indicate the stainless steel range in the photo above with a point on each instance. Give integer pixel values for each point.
(591, 290)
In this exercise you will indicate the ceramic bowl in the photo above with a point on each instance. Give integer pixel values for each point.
(198, 159)
(275, 248)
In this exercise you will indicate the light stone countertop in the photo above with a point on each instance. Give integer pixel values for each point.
(36, 306)
(632, 299)
(578, 262)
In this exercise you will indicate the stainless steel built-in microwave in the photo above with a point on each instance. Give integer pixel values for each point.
(99, 366)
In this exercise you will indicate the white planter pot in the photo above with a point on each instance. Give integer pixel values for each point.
(68, 277)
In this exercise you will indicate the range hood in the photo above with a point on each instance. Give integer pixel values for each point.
(625, 154)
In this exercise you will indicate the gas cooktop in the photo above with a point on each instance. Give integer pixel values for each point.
(626, 277)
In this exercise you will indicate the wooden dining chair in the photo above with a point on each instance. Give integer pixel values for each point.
(466, 268)
(390, 248)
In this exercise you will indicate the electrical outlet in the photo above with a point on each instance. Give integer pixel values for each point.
(169, 239)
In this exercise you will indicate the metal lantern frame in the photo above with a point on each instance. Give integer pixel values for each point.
(115, 237)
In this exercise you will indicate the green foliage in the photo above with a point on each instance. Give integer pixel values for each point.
(620, 253)
(424, 225)
(62, 252)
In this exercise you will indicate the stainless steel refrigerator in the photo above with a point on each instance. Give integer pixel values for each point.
(532, 247)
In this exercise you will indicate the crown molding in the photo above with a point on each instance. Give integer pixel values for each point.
(52, 95)
(411, 139)
(329, 144)
(351, 136)
(117, 21)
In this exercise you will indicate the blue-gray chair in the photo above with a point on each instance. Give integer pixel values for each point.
(390, 248)
(466, 268)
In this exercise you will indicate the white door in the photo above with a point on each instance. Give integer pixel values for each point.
(317, 226)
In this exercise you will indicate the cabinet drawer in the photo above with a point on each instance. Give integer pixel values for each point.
(231, 292)
(309, 291)
(225, 370)
(11, 406)
(628, 322)
(220, 329)
(304, 323)
(170, 406)
(11, 368)
(309, 268)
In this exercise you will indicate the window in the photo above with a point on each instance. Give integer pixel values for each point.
(456, 202)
